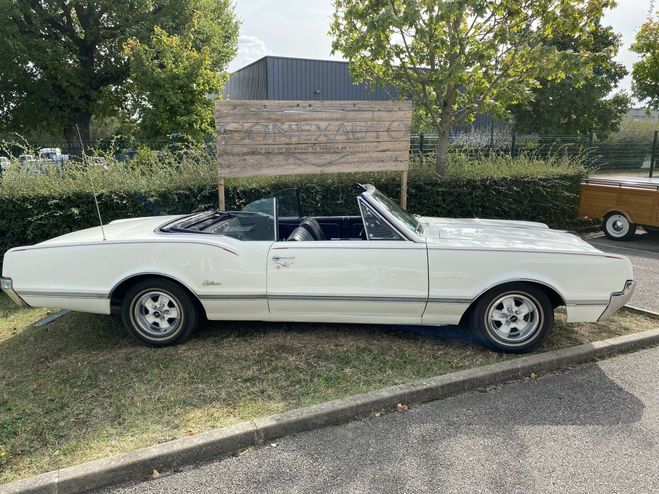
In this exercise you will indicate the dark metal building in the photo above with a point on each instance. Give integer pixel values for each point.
(282, 78)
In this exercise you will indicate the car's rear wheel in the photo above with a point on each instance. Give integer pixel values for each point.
(513, 318)
(158, 312)
(616, 226)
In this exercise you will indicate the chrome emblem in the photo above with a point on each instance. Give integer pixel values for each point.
(211, 283)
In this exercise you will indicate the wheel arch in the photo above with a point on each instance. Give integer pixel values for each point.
(121, 287)
(617, 210)
(555, 297)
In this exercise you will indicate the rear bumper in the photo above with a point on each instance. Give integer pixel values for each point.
(8, 287)
(618, 300)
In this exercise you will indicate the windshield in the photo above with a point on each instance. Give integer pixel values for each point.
(387, 205)
(256, 221)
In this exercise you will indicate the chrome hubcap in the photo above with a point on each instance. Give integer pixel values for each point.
(514, 317)
(617, 225)
(157, 313)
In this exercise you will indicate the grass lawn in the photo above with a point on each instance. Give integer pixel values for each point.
(80, 388)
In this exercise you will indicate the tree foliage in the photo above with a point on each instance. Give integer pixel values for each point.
(62, 62)
(460, 57)
(646, 71)
(173, 77)
(580, 102)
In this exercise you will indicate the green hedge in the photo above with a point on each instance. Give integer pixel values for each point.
(524, 194)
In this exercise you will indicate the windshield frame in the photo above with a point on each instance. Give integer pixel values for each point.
(413, 234)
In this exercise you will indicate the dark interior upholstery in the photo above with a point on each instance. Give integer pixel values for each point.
(300, 234)
(333, 227)
(314, 228)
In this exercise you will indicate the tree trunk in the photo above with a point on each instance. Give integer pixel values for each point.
(444, 127)
(442, 150)
(77, 135)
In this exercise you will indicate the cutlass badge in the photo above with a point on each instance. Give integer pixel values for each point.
(211, 283)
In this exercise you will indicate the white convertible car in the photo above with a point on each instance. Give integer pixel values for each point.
(162, 275)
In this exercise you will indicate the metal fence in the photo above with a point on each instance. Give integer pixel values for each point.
(629, 152)
(604, 152)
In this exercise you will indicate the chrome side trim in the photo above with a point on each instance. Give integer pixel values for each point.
(364, 298)
(84, 295)
(355, 298)
(618, 299)
(523, 251)
(575, 303)
(334, 246)
(586, 303)
(433, 300)
(233, 297)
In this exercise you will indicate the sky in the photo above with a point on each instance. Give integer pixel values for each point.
(298, 28)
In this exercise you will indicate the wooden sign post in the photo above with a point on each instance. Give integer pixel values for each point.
(266, 138)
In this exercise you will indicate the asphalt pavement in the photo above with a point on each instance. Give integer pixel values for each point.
(643, 252)
(594, 428)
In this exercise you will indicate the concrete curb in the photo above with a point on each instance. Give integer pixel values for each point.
(645, 312)
(138, 465)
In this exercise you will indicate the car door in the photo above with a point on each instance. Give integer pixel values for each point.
(384, 278)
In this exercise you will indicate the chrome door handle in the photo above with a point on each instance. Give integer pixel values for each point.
(279, 258)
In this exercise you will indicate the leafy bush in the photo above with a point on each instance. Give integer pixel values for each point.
(37, 206)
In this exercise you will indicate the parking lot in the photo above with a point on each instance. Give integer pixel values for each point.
(643, 251)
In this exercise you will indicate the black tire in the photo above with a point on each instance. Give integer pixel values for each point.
(617, 226)
(525, 332)
(155, 324)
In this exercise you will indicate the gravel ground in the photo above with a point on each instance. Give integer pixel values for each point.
(643, 252)
(591, 429)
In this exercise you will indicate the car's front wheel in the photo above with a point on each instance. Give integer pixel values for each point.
(158, 312)
(513, 318)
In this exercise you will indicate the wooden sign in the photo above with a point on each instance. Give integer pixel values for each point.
(256, 138)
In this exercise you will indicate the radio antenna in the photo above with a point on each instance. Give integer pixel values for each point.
(84, 161)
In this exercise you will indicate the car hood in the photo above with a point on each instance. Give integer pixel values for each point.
(129, 229)
(501, 235)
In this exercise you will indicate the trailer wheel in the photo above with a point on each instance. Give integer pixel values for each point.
(616, 226)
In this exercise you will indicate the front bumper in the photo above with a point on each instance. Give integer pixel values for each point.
(618, 300)
(8, 287)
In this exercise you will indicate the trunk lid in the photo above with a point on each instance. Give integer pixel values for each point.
(129, 229)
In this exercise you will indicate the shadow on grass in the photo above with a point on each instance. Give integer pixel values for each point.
(245, 329)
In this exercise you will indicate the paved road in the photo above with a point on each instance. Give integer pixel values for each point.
(592, 429)
(643, 251)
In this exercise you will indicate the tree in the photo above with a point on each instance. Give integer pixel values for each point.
(645, 72)
(165, 101)
(458, 58)
(578, 103)
(62, 62)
